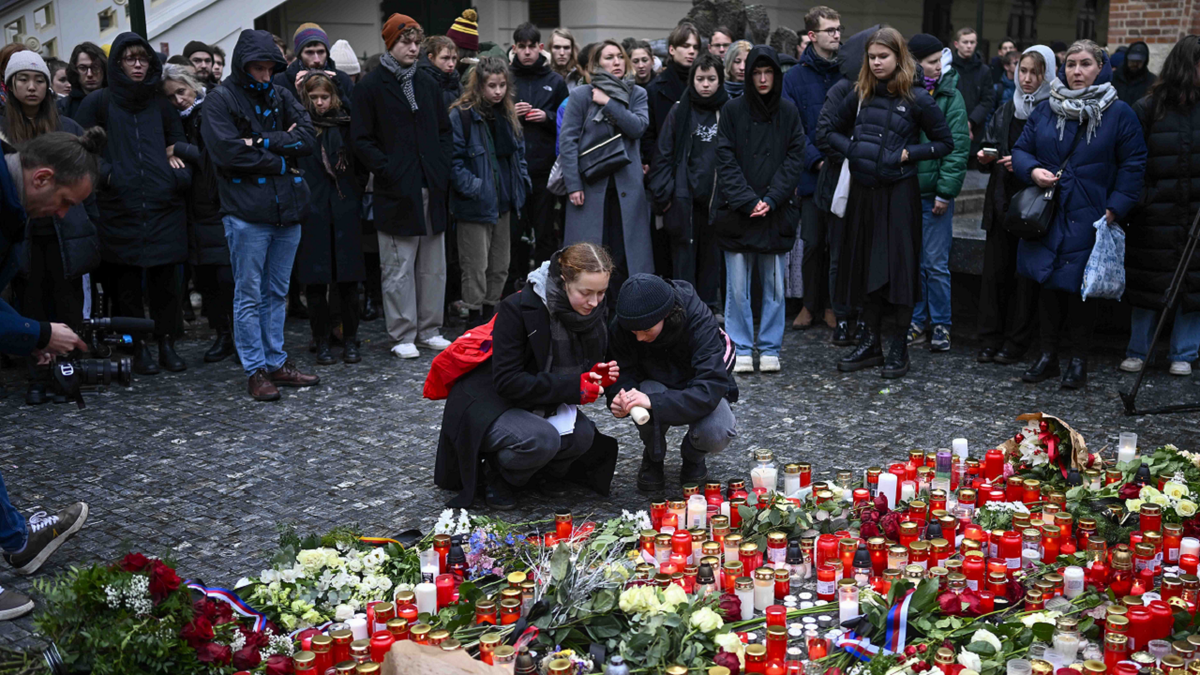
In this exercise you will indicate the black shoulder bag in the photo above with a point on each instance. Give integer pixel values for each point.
(1032, 208)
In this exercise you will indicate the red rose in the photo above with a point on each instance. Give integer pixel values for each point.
(922, 648)
(974, 603)
(197, 632)
(1129, 491)
(868, 530)
(910, 650)
(211, 652)
(279, 664)
(731, 607)
(163, 581)
(881, 504)
(1015, 591)
(224, 614)
(260, 640)
(246, 658)
(950, 604)
(890, 524)
(134, 562)
(728, 660)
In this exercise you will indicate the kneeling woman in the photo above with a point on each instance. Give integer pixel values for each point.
(519, 411)
(677, 364)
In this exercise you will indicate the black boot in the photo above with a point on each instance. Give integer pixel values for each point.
(860, 331)
(487, 313)
(296, 308)
(693, 469)
(1045, 368)
(143, 360)
(474, 318)
(221, 349)
(896, 363)
(841, 334)
(350, 351)
(370, 310)
(1076, 375)
(650, 474)
(868, 354)
(36, 394)
(986, 355)
(497, 492)
(324, 354)
(168, 358)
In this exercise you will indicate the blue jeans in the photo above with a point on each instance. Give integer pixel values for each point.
(262, 257)
(1185, 337)
(739, 315)
(937, 233)
(12, 523)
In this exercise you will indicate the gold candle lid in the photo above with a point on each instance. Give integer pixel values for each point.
(368, 668)
(304, 659)
(515, 579)
(451, 645)
(346, 668)
(1093, 666)
(764, 574)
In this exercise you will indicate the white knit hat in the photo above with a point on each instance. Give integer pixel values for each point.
(26, 60)
(343, 55)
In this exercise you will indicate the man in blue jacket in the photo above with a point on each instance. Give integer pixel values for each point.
(805, 85)
(255, 131)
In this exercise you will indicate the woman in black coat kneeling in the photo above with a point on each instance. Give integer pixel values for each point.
(519, 411)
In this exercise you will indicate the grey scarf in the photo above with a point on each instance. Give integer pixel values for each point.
(1025, 103)
(1087, 105)
(405, 75)
(577, 342)
(617, 90)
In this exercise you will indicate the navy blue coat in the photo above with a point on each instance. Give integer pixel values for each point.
(18, 335)
(806, 85)
(473, 197)
(1103, 174)
(260, 183)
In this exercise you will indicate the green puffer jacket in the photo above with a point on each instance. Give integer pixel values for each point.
(944, 177)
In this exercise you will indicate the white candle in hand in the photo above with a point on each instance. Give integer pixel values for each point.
(640, 415)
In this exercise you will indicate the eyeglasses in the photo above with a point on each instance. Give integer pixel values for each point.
(84, 70)
(136, 60)
(836, 30)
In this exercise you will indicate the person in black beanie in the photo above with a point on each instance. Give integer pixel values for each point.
(200, 56)
(676, 364)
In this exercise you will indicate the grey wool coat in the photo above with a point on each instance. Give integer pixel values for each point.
(579, 132)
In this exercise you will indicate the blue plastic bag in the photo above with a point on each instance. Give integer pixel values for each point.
(1104, 275)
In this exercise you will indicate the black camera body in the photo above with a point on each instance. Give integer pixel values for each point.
(72, 374)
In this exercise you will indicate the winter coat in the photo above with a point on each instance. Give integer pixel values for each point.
(259, 183)
(579, 132)
(1002, 183)
(331, 247)
(1132, 87)
(806, 85)
(875, 137)
(850, 58)
(944, 177)
(142, 210)
(449, 84)
(688, 358)
(206, 232)
(975, 83)
(1103, 174)
(662, 93)
(515, 377)
(287, 79)
(671, 181)
(1004, 90)
(544, 89)
(475, 166)
(68, 106)
(1159, 226)
(405, 151)
(758, 160)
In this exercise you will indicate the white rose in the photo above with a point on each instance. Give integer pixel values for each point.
(1175, 490)
(673, 596)
(729, 642)
(1185, 508)
(985, 636)
(706, 620)
(1160, 499)
(639, 600)
(970, 660)
(1133, 505)
(343, 612)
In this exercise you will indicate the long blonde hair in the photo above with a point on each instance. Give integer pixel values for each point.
(901, 83)
(474, 97)
(573, 62)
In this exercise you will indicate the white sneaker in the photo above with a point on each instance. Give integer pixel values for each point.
(436, 343)
(405, 350)
(744, 364)
(768, 364)
(1181, 368)
(1132, 365)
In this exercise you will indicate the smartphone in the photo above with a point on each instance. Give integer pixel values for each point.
(991, 152)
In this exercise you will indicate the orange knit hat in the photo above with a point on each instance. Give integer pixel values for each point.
(396, 24)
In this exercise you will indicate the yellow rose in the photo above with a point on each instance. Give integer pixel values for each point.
(706, 620)
(1185, 508)
(1175, 490)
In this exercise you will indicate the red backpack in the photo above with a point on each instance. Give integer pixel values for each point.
(461, 357)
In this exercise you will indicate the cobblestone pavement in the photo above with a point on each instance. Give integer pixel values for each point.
(185, 465)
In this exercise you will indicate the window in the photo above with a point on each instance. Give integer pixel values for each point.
(13, 30)
(936, 21)
(1085, 25)
(1022, 24)
(43, 16)
(49, 49)
(544, 13)
(108, 20)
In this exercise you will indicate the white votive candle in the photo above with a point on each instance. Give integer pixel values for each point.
(426, 597)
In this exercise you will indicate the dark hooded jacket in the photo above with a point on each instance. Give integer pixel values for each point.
(975, 84)
(1132, 87)
(450, 83)
(144, 218)
(345, 86)
(261, 182)
(806, 85)
(851, 58)
(760, 154)
(542, 88)
(662, 93)
(206, 232)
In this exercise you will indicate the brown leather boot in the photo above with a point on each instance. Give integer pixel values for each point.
(261, 388)
(289, 376)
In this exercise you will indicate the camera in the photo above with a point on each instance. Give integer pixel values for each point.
(71, 374)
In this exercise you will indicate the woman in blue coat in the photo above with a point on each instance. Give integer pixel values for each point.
(1102, 178)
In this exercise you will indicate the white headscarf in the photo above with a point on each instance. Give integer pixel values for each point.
(1025, 103)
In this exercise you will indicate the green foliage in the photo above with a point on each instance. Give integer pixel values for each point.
(778, 515)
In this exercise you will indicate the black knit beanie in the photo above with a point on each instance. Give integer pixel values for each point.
(196, 46)
(924, 44)
(644, 301)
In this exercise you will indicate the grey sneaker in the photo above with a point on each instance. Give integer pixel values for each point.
(916, 334)
(13, 604)
(940, 342)
(46, 534)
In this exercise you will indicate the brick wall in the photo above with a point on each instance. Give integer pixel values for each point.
(1158, 23)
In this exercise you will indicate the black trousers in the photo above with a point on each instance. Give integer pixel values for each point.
(164, 291)
(1007, 302)
(215, 285)
(539, 217)
(814, 267)
(881, 315)
(699, 261)
(1066, 312)
(49, 295)
(320, 317)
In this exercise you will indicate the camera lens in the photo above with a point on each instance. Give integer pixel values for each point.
(124, 368)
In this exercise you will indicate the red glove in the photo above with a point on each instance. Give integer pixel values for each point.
(588, 391)
(602, 369)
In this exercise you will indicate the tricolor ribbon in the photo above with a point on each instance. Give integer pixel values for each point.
(239, 606)
(379, 541)
(894, 637)
(858, 647)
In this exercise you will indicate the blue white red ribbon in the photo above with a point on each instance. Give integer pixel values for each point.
(239, 606)
(894, 637)
(858, 647)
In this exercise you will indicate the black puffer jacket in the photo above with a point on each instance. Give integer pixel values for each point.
(875, 137)
(259, 183)
(1159, 226)
(206, 232)
(144, 219)
(851, 57)
(975, 84)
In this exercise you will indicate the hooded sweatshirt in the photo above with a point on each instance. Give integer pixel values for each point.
(1132, 86)
(544, 89)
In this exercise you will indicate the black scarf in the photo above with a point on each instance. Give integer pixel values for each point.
(503, 140)
(763, 108)
(577, 342)
(129, 95)
(539, 68)
(333, 150)
(675, 79)
(683, 112)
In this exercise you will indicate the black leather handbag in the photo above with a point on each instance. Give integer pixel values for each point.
(603, 159)
(1032, 208)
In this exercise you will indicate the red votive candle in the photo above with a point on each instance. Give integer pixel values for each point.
(1188, 562)
(776, 615)
(445, 589)
(563, 525)
(381, 643)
